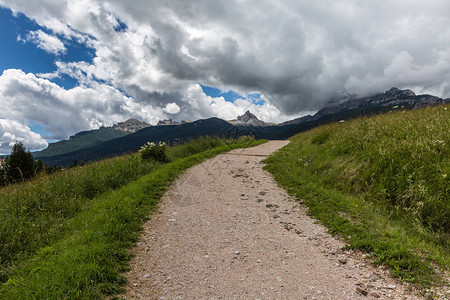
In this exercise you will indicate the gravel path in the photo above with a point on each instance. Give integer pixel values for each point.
(225, 230)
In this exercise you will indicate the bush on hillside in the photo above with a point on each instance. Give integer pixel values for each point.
(154, 151)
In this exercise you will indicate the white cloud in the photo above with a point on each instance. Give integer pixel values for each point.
(13, 131)
(65, 112)
(202, 105)
(172, 108)
(297, 54)
(46, 42)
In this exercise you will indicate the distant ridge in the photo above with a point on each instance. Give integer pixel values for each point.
(90, 138)
(132, 142)
(79, 141)
(392, 99)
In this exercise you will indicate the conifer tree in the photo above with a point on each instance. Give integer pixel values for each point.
(19, 164)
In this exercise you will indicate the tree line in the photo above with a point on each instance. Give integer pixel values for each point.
(20, 166)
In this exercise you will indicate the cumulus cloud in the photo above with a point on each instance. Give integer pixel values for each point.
(172, 108)
(197, 104)
(46, 42)
(13, 131)
(296, 54)
(25, 97)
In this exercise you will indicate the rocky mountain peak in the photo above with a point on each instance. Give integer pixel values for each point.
(248, 119)
(392, 90)
(171, 122)
(398, 92)
(130, 125)
(247, 116)
(167, 122)
(409, 93)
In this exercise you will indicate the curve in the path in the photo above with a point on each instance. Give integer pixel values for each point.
(225, 230)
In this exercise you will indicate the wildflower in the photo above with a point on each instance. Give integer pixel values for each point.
(154, 151)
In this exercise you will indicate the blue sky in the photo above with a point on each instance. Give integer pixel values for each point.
(231, 96)
(16, 54)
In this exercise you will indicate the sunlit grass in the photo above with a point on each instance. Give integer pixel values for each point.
(380, 182)
(66, 235)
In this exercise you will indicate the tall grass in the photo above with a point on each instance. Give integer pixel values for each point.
(34, 214)
(402, 158)
(381, 182)
(87, 260)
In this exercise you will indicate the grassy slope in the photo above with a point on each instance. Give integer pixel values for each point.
(81, 140)
(382, 183)
(85, 258)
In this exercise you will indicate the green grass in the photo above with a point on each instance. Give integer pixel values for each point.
(69, 233)
(382, 183)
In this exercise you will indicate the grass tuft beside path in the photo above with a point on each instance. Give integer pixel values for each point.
(382, 183)
(86, 257)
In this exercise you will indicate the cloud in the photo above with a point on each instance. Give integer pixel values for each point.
(172, 108)
(296, 54)
(13, 131)
(196, 104)
(46, 42)
(27, 98)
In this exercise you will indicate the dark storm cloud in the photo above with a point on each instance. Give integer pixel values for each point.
(302, 53)
(297, 54)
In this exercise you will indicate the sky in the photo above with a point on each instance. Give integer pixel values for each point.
(74, 65)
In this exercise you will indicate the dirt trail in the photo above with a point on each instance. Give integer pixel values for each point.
(225, 230)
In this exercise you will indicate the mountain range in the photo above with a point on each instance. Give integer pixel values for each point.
(128, 136)
(392, 99)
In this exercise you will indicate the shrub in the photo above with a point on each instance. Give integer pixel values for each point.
(154, 151)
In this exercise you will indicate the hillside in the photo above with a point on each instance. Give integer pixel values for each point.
(171, 134)
(91, 138)
(380, 182)
(79, 141)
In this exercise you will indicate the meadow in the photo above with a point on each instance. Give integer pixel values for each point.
(382, 184)
(67, 235)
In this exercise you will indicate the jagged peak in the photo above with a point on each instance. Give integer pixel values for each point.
(247, 116)
(409, 92)
(393, 90)
(249, 119)
(167, 122)
(131, 125)
(406, 92)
